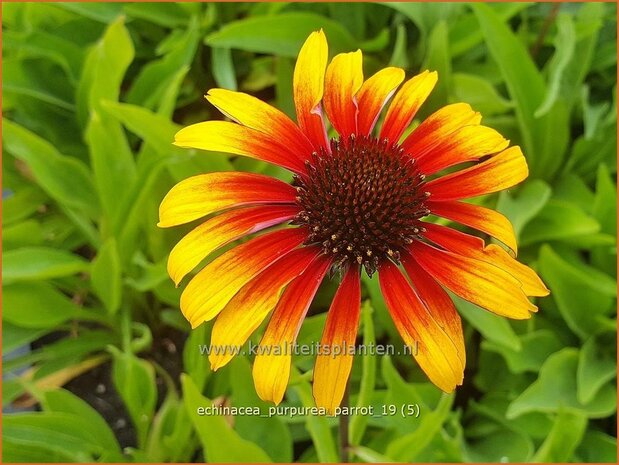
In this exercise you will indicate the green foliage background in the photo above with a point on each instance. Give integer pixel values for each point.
(92, 95)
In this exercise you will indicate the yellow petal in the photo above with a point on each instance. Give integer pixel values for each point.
(273, 356)
(373, 95)
(405, 105)
(224, 136)
(438, 303)
(495, 174)
(532, 285)
(250, 306)
(483, 219)
(221, 230)
(438, 126)
(466, 144)
(433, 349)
(256, 114)
(474, 247)
(476, 281)
(334, 363)
(212, 288)
(204, 194)
(342, 82)
(308, 87)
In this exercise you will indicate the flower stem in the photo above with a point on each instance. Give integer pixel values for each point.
(344, 421)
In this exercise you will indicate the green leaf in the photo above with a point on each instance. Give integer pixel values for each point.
(597, 365)
(572, 188)
(270, 433)
(111, 159)
(223, 68)
(407, 447)
(358, 423)
(39, 43)
(169, 15)
(437, 58)
(14, 336)
(194, 362)
(465, 33)
(66, 402)
(604, 207)
(398, 393)
(64, 352)
(545, 139)
(33, 263)
(317, 425)
(106, 275)
(281, 34)
(158, 131)
(583, 295)
(103, 12)
(491, 326)
(368, 455)
(134, 379)
(399, 56)
(21, 204)
(37, 305)
(23, 234)
(598, 447)
(558, 220)
(479, 93)
(104, 69)
(220, 443)
(566, 434)
(565, 44)
(425, 16)
(492, 438)
(555, 389)
(65, 179)
(523, 207)
(60, 434)
(154, 78)
(536, 347)
(110, 154)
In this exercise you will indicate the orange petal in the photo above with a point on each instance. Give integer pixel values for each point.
(272, 363)
(438, 303)
(212, 288)
(250, 306)
(436, 127)
(473, 247)
(452, 239)
(224, 136)
(334, 363)
(466, 144)
(433, 349)
(256, 114)
(374, 94)
(308, 88)
(483, 219)
(221, 230)
(405, 105)
(342, 82)
(204, 194)
(532, 285)
(502, 171)
(476, 281)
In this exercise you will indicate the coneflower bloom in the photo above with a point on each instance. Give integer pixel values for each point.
(357, 202)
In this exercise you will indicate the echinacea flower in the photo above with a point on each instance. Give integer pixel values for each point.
(357, 202)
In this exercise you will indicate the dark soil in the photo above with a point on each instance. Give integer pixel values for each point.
(97, 389)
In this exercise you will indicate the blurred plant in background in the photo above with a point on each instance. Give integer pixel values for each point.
(92, 336)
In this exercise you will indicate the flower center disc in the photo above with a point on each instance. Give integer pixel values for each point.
(362, 203)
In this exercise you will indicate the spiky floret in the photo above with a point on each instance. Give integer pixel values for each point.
(362, 202)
